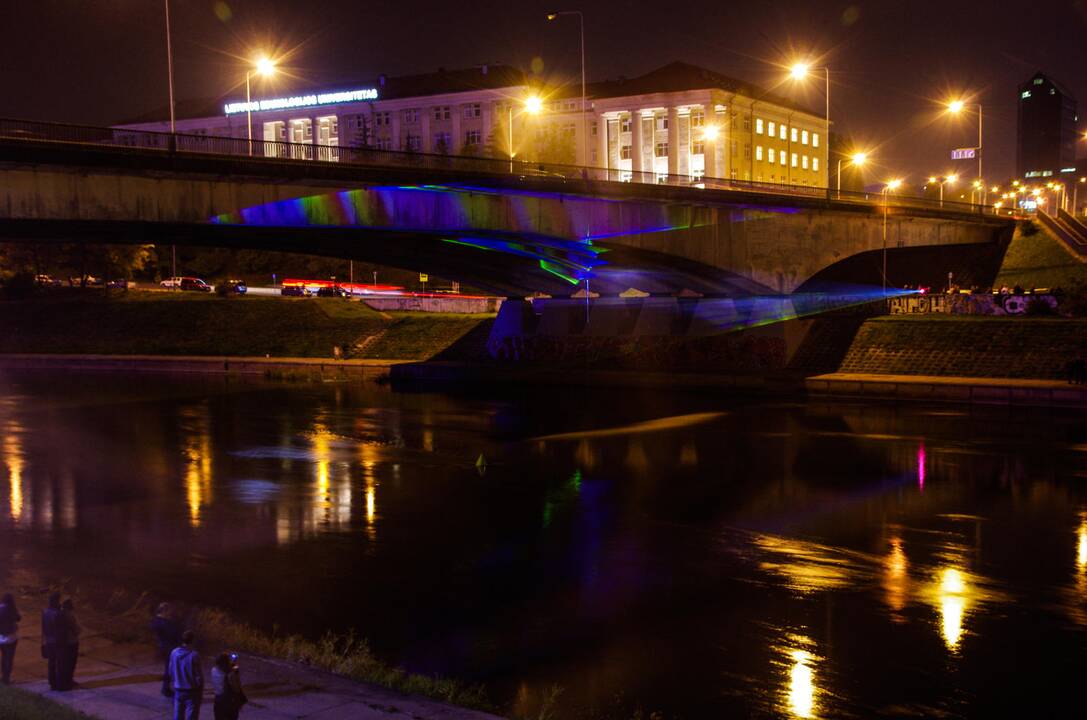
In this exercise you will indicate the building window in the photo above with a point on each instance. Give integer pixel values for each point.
(697, 147)
(471, 137)
(747, 123)
(592, 128)
(471, 110)
(732, 173)
(624, 152)
(804, 162)
(815, 164)
(732, 148)
(794, 134)
(803, 137)
(795, 157)
(624, 125)
(662, 122)
(414, 143)
(441, 112)
(781, 131)
(698, 117)
(771, 129)
(411, 115)
(441, 143)
(758, 152)
(781, 157)
(747, 151)
(661, 150)
(758, 126)
(815, 139)
(382, 118)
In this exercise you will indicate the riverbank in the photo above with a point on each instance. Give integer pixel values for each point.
(119, 677)
(100, 322)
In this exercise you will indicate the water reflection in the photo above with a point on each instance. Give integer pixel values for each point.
(896, 582)
(196, 426)
(13, 459)
(953, 598)
(806, 566)
(799, 696)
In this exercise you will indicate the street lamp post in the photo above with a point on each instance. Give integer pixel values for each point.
(941, 181)
(955, 107)
(533, 106)
(264, 67)
(890, 186)
(800, 70)
(581, 24)
(856, 159)
(170, 72)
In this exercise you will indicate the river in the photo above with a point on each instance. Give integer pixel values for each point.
(686, 553)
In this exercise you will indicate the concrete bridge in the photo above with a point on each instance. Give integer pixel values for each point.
(532, 229)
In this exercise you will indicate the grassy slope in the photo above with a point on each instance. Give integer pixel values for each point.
(15, 703)
(1040, 260)
(196, 324)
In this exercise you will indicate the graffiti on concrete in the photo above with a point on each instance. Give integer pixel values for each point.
(968, 304)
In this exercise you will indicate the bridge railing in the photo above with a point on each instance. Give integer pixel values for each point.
(188, 143)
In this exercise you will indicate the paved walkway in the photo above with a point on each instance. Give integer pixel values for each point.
(995, 391)
(122, 681)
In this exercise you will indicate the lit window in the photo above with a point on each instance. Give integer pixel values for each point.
(697, 147)
(804, 137)
(795, 156)
(794, 134)
(815, 139)
(804, 162)
(624, 125)
(815, 164)
(624, 152)
(1025, 94)
(781, 156)
(770, 129)
(781, 131)
(758, 152)
(698, 118)
(758, 126)
(662, 149)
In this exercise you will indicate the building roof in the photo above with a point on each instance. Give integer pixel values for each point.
(674, 77)
(1060, 87)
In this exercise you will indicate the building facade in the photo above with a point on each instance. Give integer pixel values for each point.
(679, 120)
(1046, 138)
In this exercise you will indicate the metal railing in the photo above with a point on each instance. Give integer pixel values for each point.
(195, 144)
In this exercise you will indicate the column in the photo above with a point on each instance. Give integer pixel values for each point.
(427, 141)
(456, 140)
(602, 141)
(636, 164)
(673, 141)
(709, 145)
(487, 118)
(394, 116)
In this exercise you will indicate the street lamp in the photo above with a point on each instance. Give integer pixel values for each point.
(799, 71)
(941, 181)
(856, 159)
(264, 67)
(891, 186)
(533, 106)
(957, 106)
(554, 15)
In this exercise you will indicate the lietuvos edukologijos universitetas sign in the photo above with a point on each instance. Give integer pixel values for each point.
(332, 98)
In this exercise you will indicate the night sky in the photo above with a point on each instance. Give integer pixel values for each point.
(104, 61)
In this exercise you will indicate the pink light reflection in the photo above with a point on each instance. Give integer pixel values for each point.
(921, 467)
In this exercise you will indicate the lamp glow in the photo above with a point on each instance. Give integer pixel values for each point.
(799, 70)
(265, 66)
(955, 106)
(858, 158)
(894, 184)
(533, 105)
(710, 132)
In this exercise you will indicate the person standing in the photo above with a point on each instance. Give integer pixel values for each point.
(167, 632)
(187, 679)
(67, 646)
(9, 635)
(226, 681)
(50, 620)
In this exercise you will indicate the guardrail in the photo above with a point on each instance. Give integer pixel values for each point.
(37, 131)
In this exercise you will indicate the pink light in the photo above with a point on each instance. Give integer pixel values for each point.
(921, 467)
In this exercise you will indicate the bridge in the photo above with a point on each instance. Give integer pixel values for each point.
(509, 227)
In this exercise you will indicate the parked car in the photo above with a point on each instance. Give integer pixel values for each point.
(196, 284)
(331, 291)
(171, 282)
(119, 283)
(235, 286)
(294, 291)
(47, 280)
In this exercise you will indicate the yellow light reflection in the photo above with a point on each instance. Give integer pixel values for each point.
(321, 442)
(370, 504)
(953, 597)
(13, 458)
(896, 577)
(1081, 543)
(197, 467)
(801, 685)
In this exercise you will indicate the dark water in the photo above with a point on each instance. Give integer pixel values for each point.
(690, 554)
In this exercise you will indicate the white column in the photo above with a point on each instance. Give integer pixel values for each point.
(636, 142)
(394, 116)
(709, 146)
(602, 141)
(427, 142)
(457, 140)
(673, 141)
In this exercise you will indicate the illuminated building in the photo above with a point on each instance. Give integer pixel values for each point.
(1046, 138)
(677, 120)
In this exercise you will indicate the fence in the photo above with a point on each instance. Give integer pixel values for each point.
(35, 131)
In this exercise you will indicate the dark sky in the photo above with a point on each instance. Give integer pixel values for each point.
(103, 61)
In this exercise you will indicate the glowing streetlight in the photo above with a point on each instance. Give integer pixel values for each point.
(533, 105)
(857, 160)
(957, 106)
(710, 132)
(265, 67)
(799, 71)
(889, 187)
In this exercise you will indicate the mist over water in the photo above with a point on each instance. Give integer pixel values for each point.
(694, 554)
